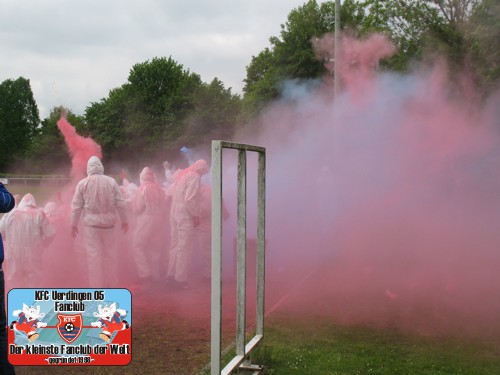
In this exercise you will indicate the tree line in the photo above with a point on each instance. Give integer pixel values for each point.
(164, 106)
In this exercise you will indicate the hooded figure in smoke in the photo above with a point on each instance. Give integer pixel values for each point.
(204, 230)
(169, 174)
(27, 230)
(149, 205)
(128, 189)
(3, 220)
(184, 218)
(99, 198)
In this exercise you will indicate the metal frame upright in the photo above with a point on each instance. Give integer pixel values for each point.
(242, 360)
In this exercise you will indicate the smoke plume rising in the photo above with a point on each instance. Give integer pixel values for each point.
(387, 193)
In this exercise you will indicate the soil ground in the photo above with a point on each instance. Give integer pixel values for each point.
(171, 329)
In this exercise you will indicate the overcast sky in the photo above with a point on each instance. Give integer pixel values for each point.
(75, 51)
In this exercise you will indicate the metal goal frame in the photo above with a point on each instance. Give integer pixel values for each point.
(242, 360)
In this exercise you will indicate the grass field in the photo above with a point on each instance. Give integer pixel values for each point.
(323, 348)
(307, 348)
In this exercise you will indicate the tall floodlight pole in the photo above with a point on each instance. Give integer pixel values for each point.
(336, 49)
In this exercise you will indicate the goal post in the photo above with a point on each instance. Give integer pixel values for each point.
(242, 359)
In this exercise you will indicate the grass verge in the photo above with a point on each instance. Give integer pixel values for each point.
(324, 348)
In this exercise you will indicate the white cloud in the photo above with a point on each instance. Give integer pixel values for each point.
(75, 52)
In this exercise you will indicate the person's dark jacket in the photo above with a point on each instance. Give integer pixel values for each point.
(7, 203)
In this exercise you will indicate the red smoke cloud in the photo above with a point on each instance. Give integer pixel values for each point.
(388, 194)
(80, 148)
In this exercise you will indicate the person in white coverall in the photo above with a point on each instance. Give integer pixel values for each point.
(3, 220)
(99, 198)
(27, 231)
(169, 174)
(149, 205)
(128, 190)
(184, 218)
(204, 230)
(51, 210)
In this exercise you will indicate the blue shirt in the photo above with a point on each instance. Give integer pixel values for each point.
(6, 204)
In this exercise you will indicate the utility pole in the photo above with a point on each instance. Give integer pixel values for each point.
(336, 49)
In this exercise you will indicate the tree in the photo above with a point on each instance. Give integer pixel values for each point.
(162, 85)
(483, 34)
(291, 55)
(161, 106)
(104, 122)
(18, 120)
(215, 113)
(456, 12)
(465, 32)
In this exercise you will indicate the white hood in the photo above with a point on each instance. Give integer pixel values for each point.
(94, 166)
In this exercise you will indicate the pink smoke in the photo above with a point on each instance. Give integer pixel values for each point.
(80, 148)
(387, 194)
(358, 59)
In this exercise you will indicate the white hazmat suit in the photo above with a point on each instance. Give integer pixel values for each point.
(99, 197)
(204, 230)
(184, 217)
(51, 210)
(128, 190)
(27, 230)
(149, 205)
(169, 175)
(5, 216)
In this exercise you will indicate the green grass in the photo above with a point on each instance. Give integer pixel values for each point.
(326, 348)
